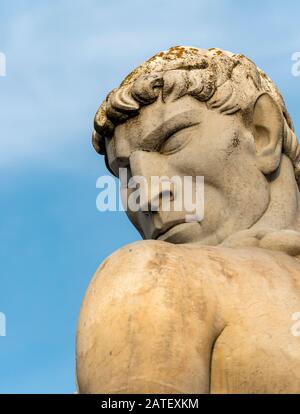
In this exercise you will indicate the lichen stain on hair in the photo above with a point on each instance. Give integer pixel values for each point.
(227, 82)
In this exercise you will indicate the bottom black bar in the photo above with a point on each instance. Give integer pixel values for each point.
(134, 402)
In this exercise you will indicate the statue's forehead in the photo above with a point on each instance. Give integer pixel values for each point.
(158, 119)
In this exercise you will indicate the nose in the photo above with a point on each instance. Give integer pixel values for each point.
(152, 167)
(144, 163)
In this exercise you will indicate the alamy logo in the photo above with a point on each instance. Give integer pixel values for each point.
(157, 193)
(295, 328)
(296, 65)
(2, 324)
(2, 64)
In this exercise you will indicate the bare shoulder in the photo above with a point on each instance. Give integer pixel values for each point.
(207, 275)
(158, 257)
(196, 272)
(156, 298)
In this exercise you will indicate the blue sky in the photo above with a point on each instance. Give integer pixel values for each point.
(62, 59)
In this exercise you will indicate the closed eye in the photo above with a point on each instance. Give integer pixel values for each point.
(178, 140)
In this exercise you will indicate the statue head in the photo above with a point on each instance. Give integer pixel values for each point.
(211, 113)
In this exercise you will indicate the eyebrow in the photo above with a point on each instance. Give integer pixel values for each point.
(169, 126)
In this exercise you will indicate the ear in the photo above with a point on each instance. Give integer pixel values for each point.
(268, 133)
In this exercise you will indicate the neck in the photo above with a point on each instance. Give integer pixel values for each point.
(283, 211)
(279, 227)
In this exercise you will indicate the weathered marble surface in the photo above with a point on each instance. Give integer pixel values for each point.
(204, 307)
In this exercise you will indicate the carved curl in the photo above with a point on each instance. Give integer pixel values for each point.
(225, 81)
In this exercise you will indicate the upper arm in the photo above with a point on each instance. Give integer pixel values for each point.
(146, 325)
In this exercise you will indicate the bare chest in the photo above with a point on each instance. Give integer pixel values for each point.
(259, 352)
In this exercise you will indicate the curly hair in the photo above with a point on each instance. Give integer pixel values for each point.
(227, 82)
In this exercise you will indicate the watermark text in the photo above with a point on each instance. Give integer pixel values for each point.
(152, 194)
(2, 324)
(2, 64)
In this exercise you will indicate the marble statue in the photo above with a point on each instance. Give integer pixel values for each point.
(202, 306)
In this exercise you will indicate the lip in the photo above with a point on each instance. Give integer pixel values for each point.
(173, 230)
(166, 228)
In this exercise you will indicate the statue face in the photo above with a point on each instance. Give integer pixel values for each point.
(185, 138)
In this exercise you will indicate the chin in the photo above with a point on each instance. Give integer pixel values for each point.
(183, 233)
